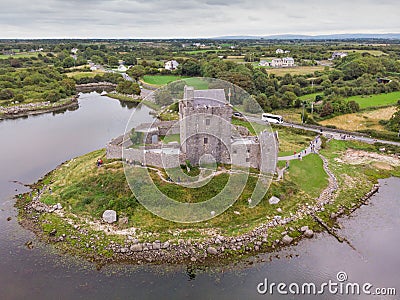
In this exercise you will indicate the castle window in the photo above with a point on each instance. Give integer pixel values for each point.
(205, 141)
(208, 121)
(247, 159)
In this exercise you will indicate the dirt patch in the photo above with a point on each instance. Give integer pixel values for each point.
(382, 166)
(359, 157)
(361, 121)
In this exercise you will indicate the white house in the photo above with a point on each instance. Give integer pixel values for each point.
(288, 62)
(264, 63)
(279, 51)
(74, 50)
(171, 65)
(336, 55)
(282, 62)
(122, 68)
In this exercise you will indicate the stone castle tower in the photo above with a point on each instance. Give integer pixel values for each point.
(205, 125)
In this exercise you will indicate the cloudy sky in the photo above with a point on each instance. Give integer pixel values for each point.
(193, 18)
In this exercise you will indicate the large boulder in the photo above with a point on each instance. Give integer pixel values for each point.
(287, 240)
(274, 200)
(309, 233)
(212, 250)
(110, 216)
(304, 228)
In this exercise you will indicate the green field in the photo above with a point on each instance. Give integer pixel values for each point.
(301, 70)
(197, 83)
(309, 174)
(20, 55)
(161, 79)
(372, 52)
(376, 100)
(309, 97)
(79, 75)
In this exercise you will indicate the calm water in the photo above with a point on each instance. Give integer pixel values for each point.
(31, 147)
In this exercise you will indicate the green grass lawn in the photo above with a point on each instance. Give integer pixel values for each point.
(78, 75)
(197, 83)
(310, 97)
(161, 79)
(20, 55)
(376, 100)
(84, 189)
(171, 138)
(309, 174)
(291, 140)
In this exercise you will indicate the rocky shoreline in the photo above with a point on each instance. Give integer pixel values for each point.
(177, 251)
(31, 109)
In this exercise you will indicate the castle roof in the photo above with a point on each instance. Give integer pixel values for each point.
(212, 97)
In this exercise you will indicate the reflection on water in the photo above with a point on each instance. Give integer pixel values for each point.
(31, 147)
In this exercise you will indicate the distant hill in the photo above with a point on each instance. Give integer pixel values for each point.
(313, 37)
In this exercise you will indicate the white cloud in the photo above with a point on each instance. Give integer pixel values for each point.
(193, 18)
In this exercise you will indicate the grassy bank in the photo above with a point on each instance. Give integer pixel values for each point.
(85, 191)
(124, 98)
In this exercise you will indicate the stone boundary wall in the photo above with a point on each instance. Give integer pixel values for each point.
(95, 86)
(148, 86)
(160, 160)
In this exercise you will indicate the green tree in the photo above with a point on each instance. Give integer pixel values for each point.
(130, 59)
(327, 110)
(288, 98)
(112, 60)
(190, 68)
(52, 96)
(97, 59)
(6, 94)
(394, 122)
(163, 97)
(250, 105)
(136, 72)
(128, 87)
(353, 106)
(68, 62)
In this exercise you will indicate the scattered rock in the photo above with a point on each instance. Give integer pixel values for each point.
(156, 246)
(59, 206)
(53, 232)
(236, 212)
(29, 244)
(309, 233)
(287, 240)
(136, 248)
(110, 216)
(123, 220)
(212, 250)
(9, 219)
(274, 200)
(279, 210)
(304, 228)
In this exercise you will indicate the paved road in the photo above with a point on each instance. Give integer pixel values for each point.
(327, 132)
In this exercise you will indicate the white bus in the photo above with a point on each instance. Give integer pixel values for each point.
(272, 118)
